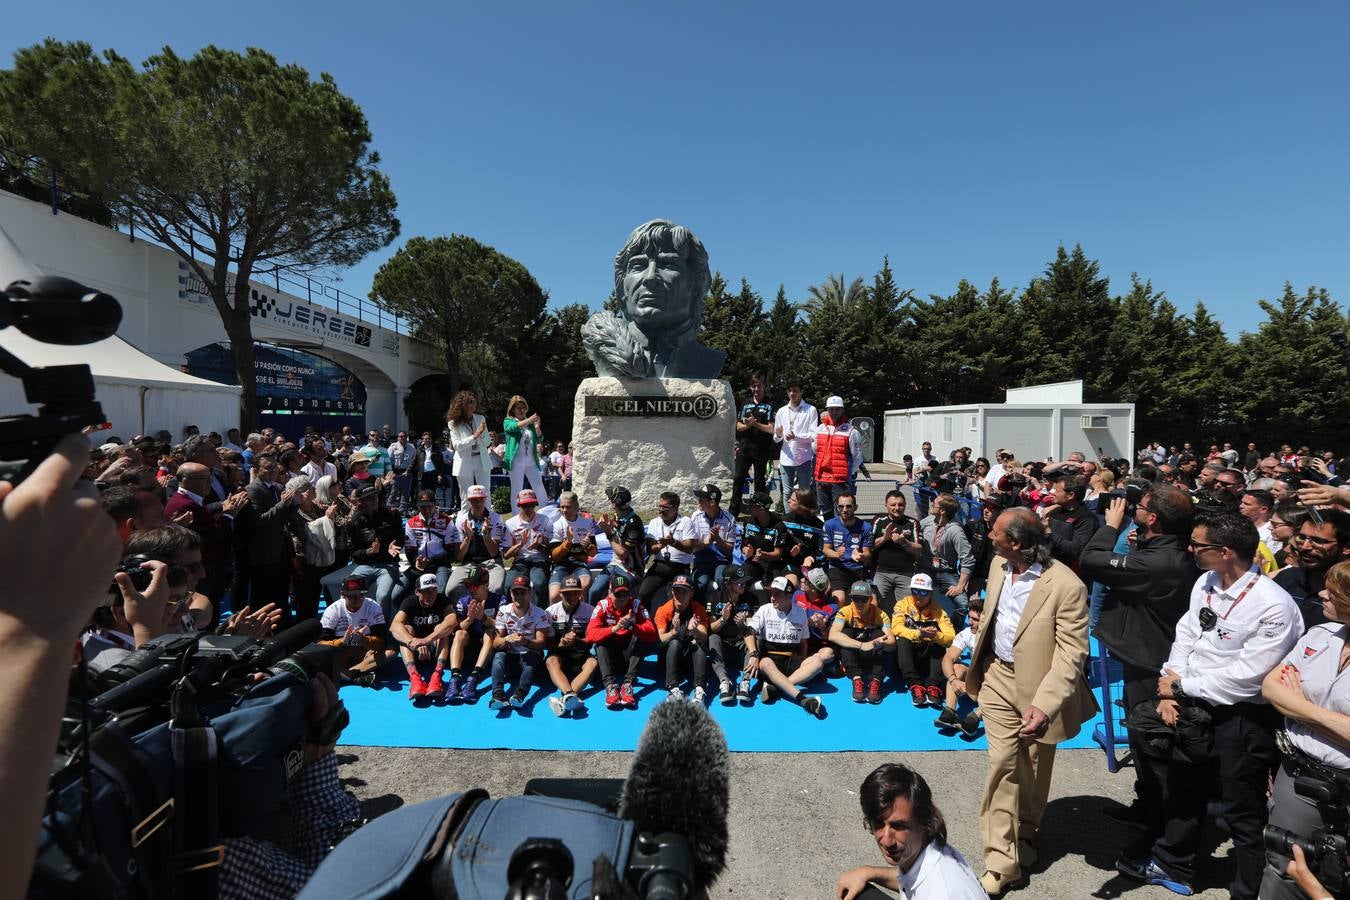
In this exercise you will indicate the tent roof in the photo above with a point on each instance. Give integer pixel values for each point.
(111, 360)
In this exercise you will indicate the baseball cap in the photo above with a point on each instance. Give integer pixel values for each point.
(527, 497)
(781, 584)
(818, 579)
(682, 581)
(619, 496)
(709, 492)
(835, 400)
(475, 574)
(619, 583)
(367, 490)
(921, 582)
(995, 502)
(520, 582)
(860, 588)
(355, 585)
(477, 492)
(736, 573)
(761, 498)
(426, 497)
(427, 581)
(571, 583)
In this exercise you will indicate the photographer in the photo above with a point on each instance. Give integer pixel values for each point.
(1315, 742)
(1068, 524)
(1150, 589)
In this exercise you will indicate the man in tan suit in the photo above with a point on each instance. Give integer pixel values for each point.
(1027, 674)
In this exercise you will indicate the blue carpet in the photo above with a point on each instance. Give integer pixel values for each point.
(384, 717)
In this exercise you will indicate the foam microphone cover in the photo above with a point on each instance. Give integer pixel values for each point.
(680, 782)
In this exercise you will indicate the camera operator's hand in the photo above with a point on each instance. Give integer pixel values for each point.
(1115, 513)
(149, 613)
(1303, 876)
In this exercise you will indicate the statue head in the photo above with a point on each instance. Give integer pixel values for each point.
(661, 274)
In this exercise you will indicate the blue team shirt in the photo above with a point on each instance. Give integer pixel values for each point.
(490, 607)
(849, 540)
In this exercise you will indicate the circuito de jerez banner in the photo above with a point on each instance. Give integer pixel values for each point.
(289, 381)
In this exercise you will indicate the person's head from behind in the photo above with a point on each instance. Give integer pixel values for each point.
(1165, 509)
(898, 809)
(132, 508)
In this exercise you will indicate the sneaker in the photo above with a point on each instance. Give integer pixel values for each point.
(768, 693)
(874, 691)
(498, 700)
(674, 694)
(814, 707)
(469, 691)
(435, 686)
(452, 690)
(970, 725)
(572, 702)
(947, 719)
(518, 697)
(934, 695)
(919, 696)
(727, 694)
(1148, 871)
(699, 696)
(417, 688)
(558, 705)
(612, 696)
(743, 693)
(626, 696)
(858, 696)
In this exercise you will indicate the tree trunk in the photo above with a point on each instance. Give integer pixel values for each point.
(240, 330)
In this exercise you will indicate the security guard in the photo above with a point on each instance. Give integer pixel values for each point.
(1312, 689)
(1239, 626)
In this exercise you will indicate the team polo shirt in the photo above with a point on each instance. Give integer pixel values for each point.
(767, 537)
(703, 526)
(431, 538)
(491, 604)
(849, 540)
(574, 621)
(582, 529)
(535, 533)
(1317, 656)
(510, 621)
(340, 620)
(855, 623)
(490, 526)
(822, 606)
(758, 443)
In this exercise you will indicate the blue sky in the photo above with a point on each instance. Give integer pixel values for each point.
(1200, 145)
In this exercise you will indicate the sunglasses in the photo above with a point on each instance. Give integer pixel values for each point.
(1196, 545)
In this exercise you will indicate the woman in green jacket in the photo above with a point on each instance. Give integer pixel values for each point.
(522, 449)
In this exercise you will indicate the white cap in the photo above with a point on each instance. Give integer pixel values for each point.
(921, 582)
(835, 400)
(781, 584)
(427, 581)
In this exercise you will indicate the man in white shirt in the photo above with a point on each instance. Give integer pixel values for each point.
(671, 541)
(998, 469)
(1240, 626)
(401, 455)
(794, 426)
(318, 465)
(777, 649)
(911, 833)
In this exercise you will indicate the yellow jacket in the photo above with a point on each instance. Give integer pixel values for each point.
(905, 607)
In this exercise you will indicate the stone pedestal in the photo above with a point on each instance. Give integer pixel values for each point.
(651, 435)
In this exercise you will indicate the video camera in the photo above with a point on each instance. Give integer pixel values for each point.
(1325, 849)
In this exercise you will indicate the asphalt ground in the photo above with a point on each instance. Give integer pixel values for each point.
(795, 820)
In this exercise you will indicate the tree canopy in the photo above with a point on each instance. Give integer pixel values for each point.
(227, 157)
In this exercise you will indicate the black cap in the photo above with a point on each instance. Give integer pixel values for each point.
(367, 490)
(619, 496)
(736, 573)
(761, 498)
(709, 492)
(475, 574)
(426, 497)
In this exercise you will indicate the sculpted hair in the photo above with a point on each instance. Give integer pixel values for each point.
(890, 781)
(1173, 507)
(1074, 486)
(1235, 532)
(652, 237)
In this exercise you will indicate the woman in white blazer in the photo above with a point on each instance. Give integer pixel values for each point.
(469, 437)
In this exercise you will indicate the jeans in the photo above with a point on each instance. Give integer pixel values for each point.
(400, 499)
(957, 607)
(521, 666)
(792, 477)
(537, 571)
(707, 578)
(676, 651)
(381, 582)
(727, 657)
(827, 494)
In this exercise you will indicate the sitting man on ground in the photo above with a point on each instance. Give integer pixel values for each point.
(618, 630)
(422, 626)
(355, 625)
(955, 664)
(923, 632)
(862, 632)
(571, 543)
(570, 663)
(777, 646)
(476, 612)
(816, 599)
(682, 629)
(523, 630)
(764, 540)
(912, 834)
(728, 617)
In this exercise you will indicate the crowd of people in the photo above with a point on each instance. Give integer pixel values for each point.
(1217, 581)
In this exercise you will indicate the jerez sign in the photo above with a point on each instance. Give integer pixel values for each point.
(700, 406)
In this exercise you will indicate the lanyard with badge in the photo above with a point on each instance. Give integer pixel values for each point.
(1209, 618)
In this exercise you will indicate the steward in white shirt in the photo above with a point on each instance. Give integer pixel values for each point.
(912, 836)
(1240, 625)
